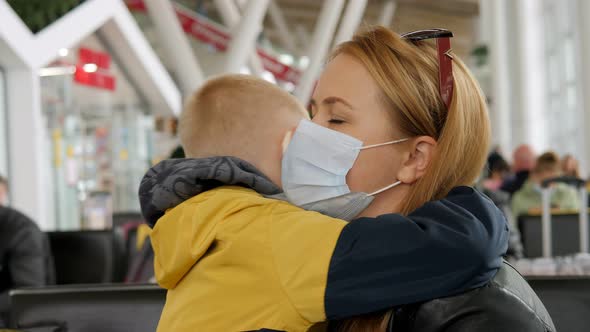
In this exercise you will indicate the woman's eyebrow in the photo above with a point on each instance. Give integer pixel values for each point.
(334, 100)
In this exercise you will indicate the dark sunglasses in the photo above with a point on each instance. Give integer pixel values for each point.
(445, 59)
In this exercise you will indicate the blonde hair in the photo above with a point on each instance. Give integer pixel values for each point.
(407, 74)
(237, 115)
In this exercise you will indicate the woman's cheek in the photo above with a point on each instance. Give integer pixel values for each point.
(374, 169)
(366, 173)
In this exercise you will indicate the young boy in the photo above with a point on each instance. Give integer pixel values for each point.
(233, 260)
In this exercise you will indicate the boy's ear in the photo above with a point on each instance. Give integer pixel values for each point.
(417, 159)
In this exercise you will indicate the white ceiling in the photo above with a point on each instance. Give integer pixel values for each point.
(460, 16)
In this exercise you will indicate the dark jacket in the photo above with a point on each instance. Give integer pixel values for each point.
(24, 254)
(507, 303)
(443, 248)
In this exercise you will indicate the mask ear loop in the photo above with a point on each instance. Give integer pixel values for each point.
(381, 144)
(378, 145)
(386, 188)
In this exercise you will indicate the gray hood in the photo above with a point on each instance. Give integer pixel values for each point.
(173, 181)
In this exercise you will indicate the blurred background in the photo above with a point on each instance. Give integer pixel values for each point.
(89, 90)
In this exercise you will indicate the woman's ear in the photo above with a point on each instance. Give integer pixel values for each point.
(420, 153)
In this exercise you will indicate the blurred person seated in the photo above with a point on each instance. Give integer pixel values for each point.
(25, 258)
(498, 170)
(570, 166)
(523, 161)
(529, 200)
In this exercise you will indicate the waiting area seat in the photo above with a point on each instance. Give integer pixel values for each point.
(87, 308)
(88, 256)
(565, 234)
(567, 299)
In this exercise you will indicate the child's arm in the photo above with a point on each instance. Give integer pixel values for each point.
(377, 263)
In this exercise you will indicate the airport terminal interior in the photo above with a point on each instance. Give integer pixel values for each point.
(432, 158)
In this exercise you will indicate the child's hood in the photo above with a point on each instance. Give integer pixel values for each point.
(173, 181)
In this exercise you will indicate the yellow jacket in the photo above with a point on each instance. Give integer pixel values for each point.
(204, 257)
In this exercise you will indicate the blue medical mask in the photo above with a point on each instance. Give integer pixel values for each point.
(316, 162)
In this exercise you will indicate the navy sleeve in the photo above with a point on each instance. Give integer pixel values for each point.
(443, 248)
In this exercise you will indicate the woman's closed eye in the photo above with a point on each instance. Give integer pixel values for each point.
(336, 121)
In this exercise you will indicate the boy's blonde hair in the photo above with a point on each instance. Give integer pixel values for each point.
(238, 115)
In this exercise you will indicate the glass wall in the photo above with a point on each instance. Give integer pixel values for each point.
(100, 137)
(3, 127)
(564, 109)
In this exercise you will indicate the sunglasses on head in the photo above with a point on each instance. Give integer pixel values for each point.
(445, 59)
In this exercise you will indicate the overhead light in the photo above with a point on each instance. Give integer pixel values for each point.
(63, 52)
(303, 62)
(286, 59)
(57, 71)
(90, 67)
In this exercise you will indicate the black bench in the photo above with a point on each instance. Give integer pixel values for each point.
(565, 234)
(87, 257)
(567, 299)
(87, 308)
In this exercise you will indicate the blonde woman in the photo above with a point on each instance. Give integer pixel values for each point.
(380, 87)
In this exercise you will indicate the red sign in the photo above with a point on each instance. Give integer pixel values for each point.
(216, 35)
(138, 5)
(202, 30)
(96, 79)
(100, 59)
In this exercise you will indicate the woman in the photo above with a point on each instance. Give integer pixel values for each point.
(386, 87)
(417, 141)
